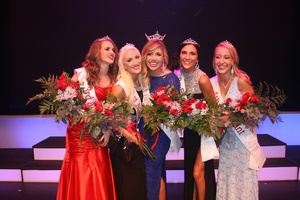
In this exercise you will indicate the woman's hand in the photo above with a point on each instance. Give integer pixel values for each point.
(130, 137)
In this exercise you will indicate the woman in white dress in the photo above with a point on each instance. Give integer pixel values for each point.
(240, 153)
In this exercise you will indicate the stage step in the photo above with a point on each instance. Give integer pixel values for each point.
(53, 148)
(42, 163)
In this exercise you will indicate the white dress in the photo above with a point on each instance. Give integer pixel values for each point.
(240, 157)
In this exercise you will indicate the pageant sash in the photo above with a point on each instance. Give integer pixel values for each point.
(90, 94)
(249, 139)
(208, 148)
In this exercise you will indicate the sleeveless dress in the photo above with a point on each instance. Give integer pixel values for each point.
(86, 172)
(156, 169)
(238, 165)
(192, 143)
(129, 172)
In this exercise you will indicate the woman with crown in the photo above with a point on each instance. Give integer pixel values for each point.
(199, 151)
(156, 74)
(86, 171)
(240, 153)
(127, 159)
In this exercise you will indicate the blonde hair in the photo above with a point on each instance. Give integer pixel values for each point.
(150, 47)
(235, 57)
(125, 75)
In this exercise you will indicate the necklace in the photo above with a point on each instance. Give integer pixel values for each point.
(228, 83)
(225, 86)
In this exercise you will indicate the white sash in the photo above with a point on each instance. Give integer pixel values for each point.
(249, 139)
(89, 93)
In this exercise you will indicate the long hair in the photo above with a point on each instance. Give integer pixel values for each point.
(235, 57)
(93, 57)
(150, 47)
(125, 75)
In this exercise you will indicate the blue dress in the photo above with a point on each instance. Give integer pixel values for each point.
(156, 169)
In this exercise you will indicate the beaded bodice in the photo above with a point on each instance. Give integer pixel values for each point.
(191, 81)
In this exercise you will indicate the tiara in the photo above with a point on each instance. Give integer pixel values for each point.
(226, 42)
(127, 46)
(190, 41)
(104, 38)
(156, 36)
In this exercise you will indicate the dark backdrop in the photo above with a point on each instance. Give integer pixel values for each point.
(42, 37)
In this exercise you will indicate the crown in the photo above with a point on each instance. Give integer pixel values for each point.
(156, 36)
(127, 46)
(190, 41)
(104, 38)
(226, 42)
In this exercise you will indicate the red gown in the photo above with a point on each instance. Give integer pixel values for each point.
(86, 172)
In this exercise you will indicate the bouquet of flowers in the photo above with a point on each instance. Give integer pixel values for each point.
(61, 96)
(178, 112)
(101, 116)
(166, 108)
(249, 110)
(200, 115)
(65, 98)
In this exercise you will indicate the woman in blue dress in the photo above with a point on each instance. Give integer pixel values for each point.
(155, 74)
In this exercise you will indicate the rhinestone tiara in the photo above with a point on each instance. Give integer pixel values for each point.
(156, 36)
(190, 41)
(104, 38)
(128, 45)
(226, 42)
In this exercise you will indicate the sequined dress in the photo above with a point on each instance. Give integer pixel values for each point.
(192, 142)
(156, 169)
(86, 172)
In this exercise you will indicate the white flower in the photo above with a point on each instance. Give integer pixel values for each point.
(69, 93)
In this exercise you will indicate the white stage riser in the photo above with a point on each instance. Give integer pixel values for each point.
(58, 153)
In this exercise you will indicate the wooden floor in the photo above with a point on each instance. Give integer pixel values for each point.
(274, 190)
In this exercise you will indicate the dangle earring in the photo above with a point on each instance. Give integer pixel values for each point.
(163, 67)
(216, 72)
(232, 70)
(197, 66)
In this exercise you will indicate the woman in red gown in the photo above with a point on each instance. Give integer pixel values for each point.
(86, 173)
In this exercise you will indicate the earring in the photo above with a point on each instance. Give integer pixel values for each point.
(197, 65)
(163, 66)
(232, 70)
(216, 72)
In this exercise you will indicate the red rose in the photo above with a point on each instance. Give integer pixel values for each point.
(245, 98)
(201, 105)
(174, 112)
(62, 82)
(254, 99)
(167, 107)
(98, 106)
(159, 101)
(108, 112)
(87, 106)
(187, 109)
(76, 85)
(228, 101)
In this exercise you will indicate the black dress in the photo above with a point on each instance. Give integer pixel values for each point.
(192, 141)
(129, 169)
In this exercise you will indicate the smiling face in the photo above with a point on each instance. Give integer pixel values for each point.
(188, 57)
(222, 61)
(107, 52)
(132, 62)
(155, 60)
